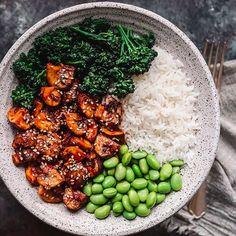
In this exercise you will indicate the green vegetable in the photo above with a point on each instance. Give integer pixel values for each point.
(154, 175)
(139, 154)
(175, 170)
(97, 188)
(153, 162)
(109, 182)
(135, 56)
(176, 182)
(160, 198)
(139, 183)
(143, 194)
(177, 163)
(111, 162)
(133, 197)
(165, 171)
(120, 172)
(123, 187)
(123, 149)
(126, 158)
(126, 203)
(147, 176)
(163, 187)
(102, 212)
(143, 166)
(88, 189)
(117, 207)
(136, 170)
(99, 178)
(109, 192)
(90, 208)
(129, 174)
(117, 198)
(152, 186)
(98, 199)
(142, 210)
(129, 215)
(151, 200)
(111, 171)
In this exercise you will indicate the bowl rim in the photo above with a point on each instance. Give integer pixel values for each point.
(132, 8)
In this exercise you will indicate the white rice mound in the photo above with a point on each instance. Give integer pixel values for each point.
(159, 117)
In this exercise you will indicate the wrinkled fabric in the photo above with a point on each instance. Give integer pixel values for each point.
(220, 218)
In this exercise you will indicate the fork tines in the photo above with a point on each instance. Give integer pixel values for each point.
(213, 53)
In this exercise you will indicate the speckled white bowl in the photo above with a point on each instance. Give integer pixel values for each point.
(168, 37)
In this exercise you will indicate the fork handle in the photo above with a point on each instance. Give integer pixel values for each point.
(197, 205)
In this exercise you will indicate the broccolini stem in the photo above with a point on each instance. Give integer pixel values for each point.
(125, 37)
(73, 62)
(90, 35)
(41, 74)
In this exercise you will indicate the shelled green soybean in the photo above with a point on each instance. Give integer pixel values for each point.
(131, 184)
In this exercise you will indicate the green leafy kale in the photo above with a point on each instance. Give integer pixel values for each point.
(23, 95)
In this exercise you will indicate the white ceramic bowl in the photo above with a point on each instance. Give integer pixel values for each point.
(168, 37)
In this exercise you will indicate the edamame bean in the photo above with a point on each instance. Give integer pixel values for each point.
(151, 200)
(129, 174)
(177, 163)
(104, 172)
(143, 166)
(133, 197)
(165, 171)
(139, 154)
(123, 149)
(154, 175)
(143, 194)
(139, 183)
(88, 189)
(123, 187)
(147, 176)
(163, 187)
(126, 203)
(111, 171)
(98, 199)
(129, 215)
(102, 212)
(117, 207)
(175, 170)
(152, 186)
(99, 178)
(116, 214)
(90, 208)
(109, 182)
(117, 198)
(97, 188)
(160, 198)
(176, 182)
(136, 171)
(153, 162)
(120, 172)
(142, 210)
(111, 162)
(109, 192)
(126, 158)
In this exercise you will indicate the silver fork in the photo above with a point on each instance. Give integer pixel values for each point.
(213, 53)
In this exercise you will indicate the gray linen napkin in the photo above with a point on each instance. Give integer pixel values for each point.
(220, 218)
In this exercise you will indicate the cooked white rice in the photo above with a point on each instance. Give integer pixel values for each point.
(159, 116)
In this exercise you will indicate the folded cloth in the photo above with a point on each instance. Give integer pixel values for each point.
(220, 218)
